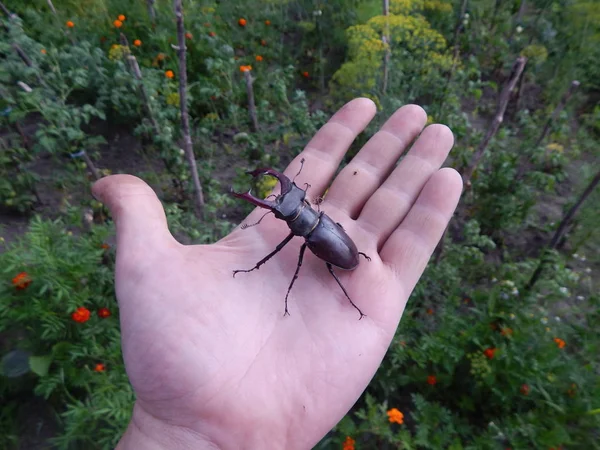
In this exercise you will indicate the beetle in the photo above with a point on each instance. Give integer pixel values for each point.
(325, 238)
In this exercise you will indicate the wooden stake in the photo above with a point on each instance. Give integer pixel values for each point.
(497, 121)
(151, 10)
(386, 42)
(251, 105)
(561, 105)
(564, 223)
(185, 120)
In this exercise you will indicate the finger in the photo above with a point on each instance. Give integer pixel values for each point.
(325, 151)
(138, 214)
(372, 165)
(410, 246)
(391, 202)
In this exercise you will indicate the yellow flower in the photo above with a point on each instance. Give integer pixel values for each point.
(173, 99)
(556, 147)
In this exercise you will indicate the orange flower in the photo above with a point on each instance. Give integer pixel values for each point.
(263, 42)
(21, 280)
(525, 389)
(121, 17)
(207, 25)
(259, 58)
(212, 34)
(559, 342)
(105, 246)
(505, 331)
(430, 311)
(99, 367)
(395, 416)
(103, 313)
(70, 24)
(242, 22)
(489, 352)
(137, 43)
(169, 74)
(305, 74)
(43, 51)
(118, 23)
(431, 379)
(160, 57)
(267, 22)
(245, 68)
(348, 443)
(189, 35)
(81, 315)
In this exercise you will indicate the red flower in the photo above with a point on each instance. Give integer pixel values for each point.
(212, 34)
(99, 367)
(104, 313)
(267, 22)
(431, 379)
(21, 280)
(81, 315)
(263, 42)
(305, 74)
(242, 22)
(525, 389)
(348, 443)
(430, 311)
(489, 352)
(189, 35)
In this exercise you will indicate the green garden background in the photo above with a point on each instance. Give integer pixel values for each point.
(498, 347)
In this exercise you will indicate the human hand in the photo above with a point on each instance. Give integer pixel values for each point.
(213, 361)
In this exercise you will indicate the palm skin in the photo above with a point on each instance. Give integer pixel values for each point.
(212, 359)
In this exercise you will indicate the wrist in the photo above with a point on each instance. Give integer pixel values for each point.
(149, 433)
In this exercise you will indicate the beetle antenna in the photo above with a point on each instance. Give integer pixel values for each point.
(244, 226)
(301, 166)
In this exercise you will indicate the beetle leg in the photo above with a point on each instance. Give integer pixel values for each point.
(368, 258)
(343, 289)
(269, 256)
(244, 226)
(302, 249)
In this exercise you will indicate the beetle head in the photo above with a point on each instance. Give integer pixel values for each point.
(286, 186)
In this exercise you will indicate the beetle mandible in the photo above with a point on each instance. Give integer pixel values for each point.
(324, 237)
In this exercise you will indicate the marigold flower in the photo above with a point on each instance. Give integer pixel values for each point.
(242, 22)
(212, 34)
(137, 43)
(395, 416)
(432, 380)
(559, 342)
(430, 311)
(21, 280)
(118, 23)
(489, 352)
(43, 51)
(105, 246)
(348, 443)
(121, 17)
(525, 389)
(245, 68)
(169, 74)
(263, 42)
(506, 331)
(267, 22)
(70, 24)
(99, 367)
(81, 315)
(259, 58)
(189, 35)
(305, 74)
(104, 313)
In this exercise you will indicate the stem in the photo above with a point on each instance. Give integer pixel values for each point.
(51, 5)
(91, 166)
(251, 105)
(558, 234)
(563, 102)
(497, 121)
(185, 120)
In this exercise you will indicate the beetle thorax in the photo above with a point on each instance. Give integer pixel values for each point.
(296, 211)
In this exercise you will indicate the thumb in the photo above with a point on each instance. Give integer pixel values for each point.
(138, 214)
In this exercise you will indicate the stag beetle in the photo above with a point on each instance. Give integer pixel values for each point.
(324, 237)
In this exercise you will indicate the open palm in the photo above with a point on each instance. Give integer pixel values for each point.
(213, 360)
